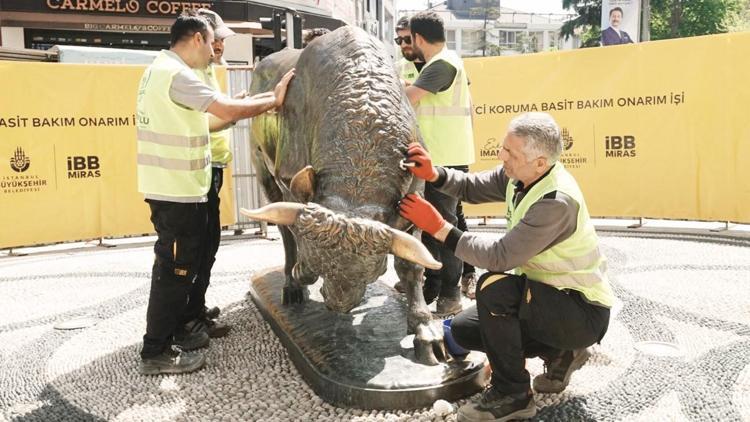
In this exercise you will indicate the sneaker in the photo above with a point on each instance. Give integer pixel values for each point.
(211, 313)
(216, 329)
(498, 407)
(469, 285)
(193, 335)
(447, 306)
(557, 371)
(171, 361)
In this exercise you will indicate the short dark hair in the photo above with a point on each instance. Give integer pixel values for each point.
(616, 9)
(402, 23)
(186, 25)
(429, 25)
(311, 34)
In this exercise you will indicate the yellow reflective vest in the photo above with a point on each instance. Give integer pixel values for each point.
(407, 70)
(174, 155)
(221, 154)
(575, 263)
(445, 118)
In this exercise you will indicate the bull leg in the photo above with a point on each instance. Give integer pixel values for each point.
(293, 291)
(428, 335)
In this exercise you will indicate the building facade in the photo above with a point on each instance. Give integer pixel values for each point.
(480, 28)
(144, 24)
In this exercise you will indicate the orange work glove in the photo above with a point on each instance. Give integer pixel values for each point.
(420, 212)
(423, 168)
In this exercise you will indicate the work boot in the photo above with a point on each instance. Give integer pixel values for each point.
(211, 313)
(447, 306)
(193, 335)
(216, 329)
(557, 370)
(498, 407)
(171, 361)
(469, 285)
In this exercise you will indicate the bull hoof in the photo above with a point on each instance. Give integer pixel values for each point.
(429, 348)
(292, 295)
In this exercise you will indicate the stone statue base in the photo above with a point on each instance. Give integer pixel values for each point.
(362, 359)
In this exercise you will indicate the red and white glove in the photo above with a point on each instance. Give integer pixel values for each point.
(420, 212)
(423, 168)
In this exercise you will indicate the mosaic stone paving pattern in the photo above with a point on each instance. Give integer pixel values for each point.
(691, 291)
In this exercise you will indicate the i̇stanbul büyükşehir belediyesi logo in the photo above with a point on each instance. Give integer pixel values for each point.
(20, 162)
(567, 139)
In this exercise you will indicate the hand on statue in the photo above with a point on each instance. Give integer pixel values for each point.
(423, 168)
(281, 87)
(420, 212)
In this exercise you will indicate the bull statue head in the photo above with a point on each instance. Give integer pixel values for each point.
(348, 252)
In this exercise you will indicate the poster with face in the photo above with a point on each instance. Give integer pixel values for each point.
(620, 21)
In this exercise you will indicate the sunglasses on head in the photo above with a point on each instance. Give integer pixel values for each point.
(405, 39)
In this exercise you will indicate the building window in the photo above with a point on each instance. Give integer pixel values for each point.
(506, 38)
(450, 39)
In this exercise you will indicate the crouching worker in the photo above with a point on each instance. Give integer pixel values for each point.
(547, 293)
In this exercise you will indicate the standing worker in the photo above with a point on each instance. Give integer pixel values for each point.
(197, 316)
(547, 292)
(174, 174)
(441, 99)
(409, 65)
(408, 68)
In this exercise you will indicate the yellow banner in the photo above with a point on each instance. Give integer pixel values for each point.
(68, 154)
(657, 130)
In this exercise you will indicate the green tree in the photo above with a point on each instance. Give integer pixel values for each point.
(489, 13)
(588, 19)
(669, 18)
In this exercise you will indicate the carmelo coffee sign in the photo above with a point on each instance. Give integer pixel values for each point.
(156, 8)
(132, 7)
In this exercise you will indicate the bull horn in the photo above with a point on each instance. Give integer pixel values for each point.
(279, 213)
(409, 248)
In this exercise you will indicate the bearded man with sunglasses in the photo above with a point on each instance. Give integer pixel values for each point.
(410, 65)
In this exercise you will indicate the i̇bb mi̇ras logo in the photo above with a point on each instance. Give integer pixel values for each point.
(83, 167)
(619, 146)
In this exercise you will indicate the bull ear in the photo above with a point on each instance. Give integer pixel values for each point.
(303, 185)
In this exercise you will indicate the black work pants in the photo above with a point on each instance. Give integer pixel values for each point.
(197, 300)
(516, 318)
(461, 221)
(179, 252)
(443, 282)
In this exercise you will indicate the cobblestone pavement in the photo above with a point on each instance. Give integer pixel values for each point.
(688, 290)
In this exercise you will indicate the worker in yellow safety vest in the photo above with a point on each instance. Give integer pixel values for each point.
(176, 112)
(197, 316)
(409, 66)
(546, 293)
(442, 103)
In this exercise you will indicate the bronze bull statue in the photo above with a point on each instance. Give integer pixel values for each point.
(329, 162)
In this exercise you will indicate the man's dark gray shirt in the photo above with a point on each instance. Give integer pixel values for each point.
(436, 77)
(547, 222)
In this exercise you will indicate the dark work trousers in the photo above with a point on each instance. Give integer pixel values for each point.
(197, 302)
(461, 221)
(179, 249)
(443, 282)
(516, 318)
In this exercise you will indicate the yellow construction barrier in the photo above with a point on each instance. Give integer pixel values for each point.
(658, 129)
(68, 154)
